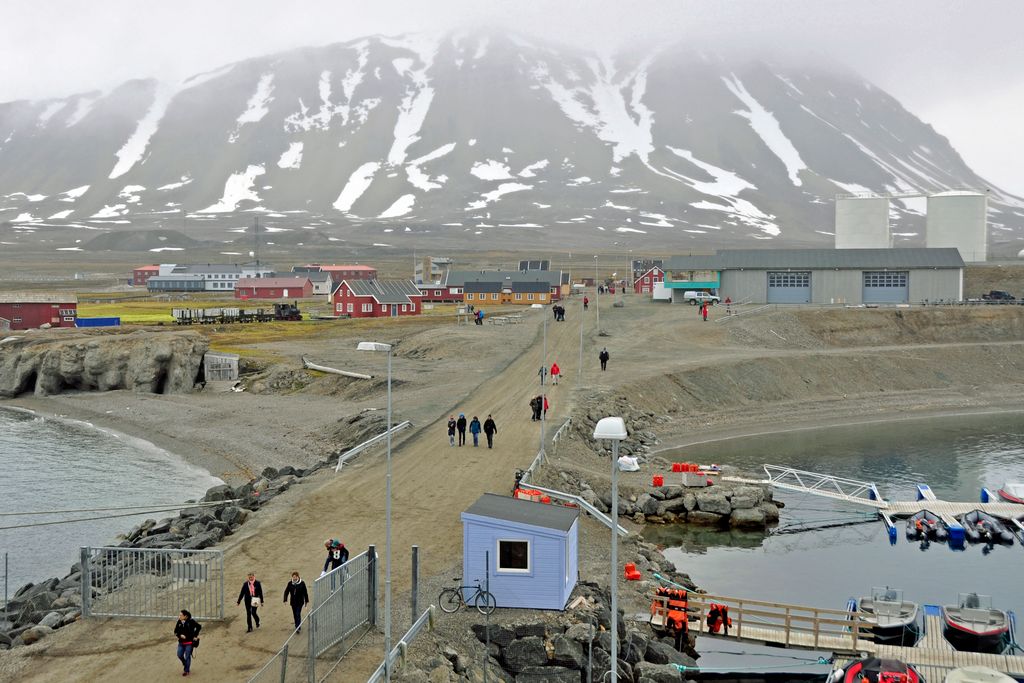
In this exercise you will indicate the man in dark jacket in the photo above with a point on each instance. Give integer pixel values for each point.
(337, 555)
(186, 629)
(490, 429)
(603, 357)
(474, 429)
(295, 593)
(461, 425)
(252, 594)
(535, 407)
(451, 430)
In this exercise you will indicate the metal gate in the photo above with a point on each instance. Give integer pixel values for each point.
(785, 287)
(152, 583)
(886, 287)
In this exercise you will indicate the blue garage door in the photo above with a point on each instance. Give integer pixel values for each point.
(789, 287)
(886, 287)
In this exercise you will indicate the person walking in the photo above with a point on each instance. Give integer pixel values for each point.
(535, 404)
(252, 594)
(543, 372)
(603, 357)
(554, 311)
(490, 429)
(556, 372)
(704, 311)
(186, 630)
(545, 399)
(337, 555)
(586, 302)
(460, 424)
(474, 429)
(296, 594)
(451, 430)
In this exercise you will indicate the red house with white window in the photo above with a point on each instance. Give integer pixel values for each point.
(346, 272)
(141, 275)
(273, 288)
(446, 294)
(376, 298)
(29, 310)
(645, 283)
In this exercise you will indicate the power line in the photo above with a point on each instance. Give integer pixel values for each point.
(123, 507)
(87, 519)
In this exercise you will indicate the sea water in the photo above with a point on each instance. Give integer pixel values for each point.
(822, 567)
(49, 464)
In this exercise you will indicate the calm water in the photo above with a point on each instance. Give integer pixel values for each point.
(955, 456)
(52, 464)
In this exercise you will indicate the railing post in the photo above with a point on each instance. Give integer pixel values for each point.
(371, 558)
(788, 625)
(284, 662)
(86, 582)
(415, 582)
(817, 628)
(311, 654)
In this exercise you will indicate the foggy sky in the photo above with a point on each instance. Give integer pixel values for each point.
(955, 64)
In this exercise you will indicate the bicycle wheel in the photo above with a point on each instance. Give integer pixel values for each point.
(485, 602)
(450, 600)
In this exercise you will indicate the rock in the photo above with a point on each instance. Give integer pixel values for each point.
(410, 674)
(159, 540)
(647, 504)
(710, 501)
(33, 601)
(592, 498)
(270, 473)
(498, 635)
(747, 519)
(704, 518)
(581, 633)
(287, 470)
(633, 648)
(51, 620)
(525, 652)
(35, 634)
(601, 665)
(439, 674)
(219, 492)
(673, 506)
(567, 652)
(658, 673)
(261, 485)
(771, 512)
(538, 629)
(747, 497)
(663, 653)
(203, 540)
(70, 618)
(548, 674)
(689, 501)
(230, 515)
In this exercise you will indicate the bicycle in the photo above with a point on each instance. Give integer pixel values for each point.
(452, 599)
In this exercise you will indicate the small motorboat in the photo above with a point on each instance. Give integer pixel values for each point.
(877, 671)
(981, 527)
(895, 618)
(926, 525)
(1012, 492)
(975, 626)
(977, 674)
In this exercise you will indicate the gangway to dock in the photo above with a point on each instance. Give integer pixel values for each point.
(847, 635)
(826, 485)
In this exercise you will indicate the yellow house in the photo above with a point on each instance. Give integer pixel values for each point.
(493, 293)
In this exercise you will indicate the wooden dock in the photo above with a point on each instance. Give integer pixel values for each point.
(845, 634)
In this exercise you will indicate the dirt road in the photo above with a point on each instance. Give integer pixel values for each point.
(432, 484)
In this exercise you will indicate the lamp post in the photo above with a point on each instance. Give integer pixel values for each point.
(614, 429)
(377, 346)
(543, 391)
(597, 296)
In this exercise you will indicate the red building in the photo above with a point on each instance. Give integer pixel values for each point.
(353, 272)
(273, 288)
(28, 310)
(645, 283)
(447, 294)
(141, 275)
(376, 298)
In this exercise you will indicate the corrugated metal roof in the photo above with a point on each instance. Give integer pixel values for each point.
(207, 269)
(811, 259)
(332, 268)
(458, 278)
(299, 281)
(38, 298)
(178, 277)
(524, 512)
(482, 287)
(385, 291)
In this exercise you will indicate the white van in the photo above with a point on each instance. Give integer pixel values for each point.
(693, 298)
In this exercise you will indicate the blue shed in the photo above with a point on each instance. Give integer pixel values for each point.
(533, 550)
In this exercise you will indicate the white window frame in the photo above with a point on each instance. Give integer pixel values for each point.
(519, 296)
(350, 307)
(340, 307)
(529, 556)
(437, 292)
(403, 307)
(383, 308)
(367, 308)
(529, 297)
(494, 297)
(469, 297)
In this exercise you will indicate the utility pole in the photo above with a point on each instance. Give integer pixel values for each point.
(256, 250)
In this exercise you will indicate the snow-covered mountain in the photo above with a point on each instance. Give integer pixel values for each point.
(472, 133)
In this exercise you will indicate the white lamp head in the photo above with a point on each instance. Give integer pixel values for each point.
(610, 428)
(373, 346)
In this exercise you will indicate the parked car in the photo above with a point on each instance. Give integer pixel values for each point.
(694, 297)
(998, 295)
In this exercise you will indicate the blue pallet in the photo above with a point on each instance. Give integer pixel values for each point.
(98, 322)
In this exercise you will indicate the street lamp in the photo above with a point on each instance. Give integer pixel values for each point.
(597, 302)
(377, 346)
(614, 429)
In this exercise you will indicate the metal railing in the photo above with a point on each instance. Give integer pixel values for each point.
(576, 500)
(344, 601)
(152, 583)
(398, 652)
(737, 314)
(372, 441)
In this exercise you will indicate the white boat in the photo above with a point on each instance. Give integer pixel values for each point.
(1012, 492)
(977, 674)
(974, 625)
(895, 618)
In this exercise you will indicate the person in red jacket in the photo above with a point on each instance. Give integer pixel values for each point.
(586, 302)
(545, 407)
(555, 373)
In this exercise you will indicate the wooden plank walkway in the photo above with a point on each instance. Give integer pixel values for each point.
(812, 628)
(943, 508)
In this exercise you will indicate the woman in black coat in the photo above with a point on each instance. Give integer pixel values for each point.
(252, 594)
(186, 630)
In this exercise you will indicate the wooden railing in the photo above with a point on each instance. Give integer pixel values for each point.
(788, 625)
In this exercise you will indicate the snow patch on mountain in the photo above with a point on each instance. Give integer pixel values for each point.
(291, 157)
(531, 170)
(72, 194)
(257, 107)
(83, 106)
(111, 211)
(61, 214)
(130, 193)
(237, 188)
(422, 180)
(356, 186)
(133, 149)
(768, 129)
(724, 183)
(491, 170)
(49, 112)
(418, 95)
(185, 180)
(494, 195)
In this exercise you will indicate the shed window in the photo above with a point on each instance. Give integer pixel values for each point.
(514, 555)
